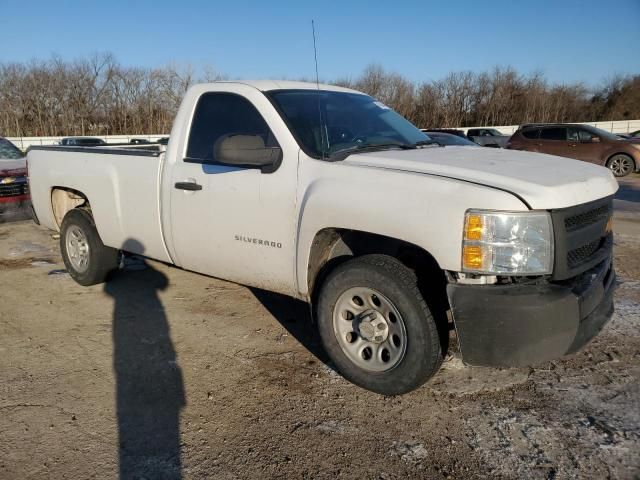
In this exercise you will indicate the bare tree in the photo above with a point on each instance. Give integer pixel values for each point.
(98, 96)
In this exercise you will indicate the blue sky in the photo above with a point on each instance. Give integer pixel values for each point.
(568, 40)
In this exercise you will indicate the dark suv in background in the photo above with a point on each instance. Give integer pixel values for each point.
(581, 142)
(487, 137)
(82, 142)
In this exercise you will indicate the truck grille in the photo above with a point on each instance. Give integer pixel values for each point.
(13, 189)
(581, 237)
(577, 256)
(587, 218)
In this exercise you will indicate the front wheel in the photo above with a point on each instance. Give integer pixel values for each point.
(621, 165)
(376, 326)
(87, 259)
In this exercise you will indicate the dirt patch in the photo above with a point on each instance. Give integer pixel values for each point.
(456, 378)
(17, 263)
(238, 387)
(626, 252)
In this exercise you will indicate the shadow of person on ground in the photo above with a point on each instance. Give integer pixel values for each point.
(149, 386)
(295, 317)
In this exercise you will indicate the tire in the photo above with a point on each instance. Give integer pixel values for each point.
(86, 258)
(621, 164)
(392, 306)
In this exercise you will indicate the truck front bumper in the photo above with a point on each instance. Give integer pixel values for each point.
(524, 324)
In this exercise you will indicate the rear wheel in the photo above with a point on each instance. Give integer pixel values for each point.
(376, 326)
(87, 259)
(621, 165)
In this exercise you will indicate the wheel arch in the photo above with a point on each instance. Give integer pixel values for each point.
(333, 246)
(332, 243)
(64, 199)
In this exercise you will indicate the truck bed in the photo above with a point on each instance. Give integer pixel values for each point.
(122, 185)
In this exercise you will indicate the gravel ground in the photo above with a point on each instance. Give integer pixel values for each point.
(167, 374)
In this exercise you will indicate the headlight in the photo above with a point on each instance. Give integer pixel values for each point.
(518, 243)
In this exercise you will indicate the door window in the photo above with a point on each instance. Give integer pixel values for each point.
(573, 134)
(221, 114)
(554, 133)
(530, 133)
(585, 135)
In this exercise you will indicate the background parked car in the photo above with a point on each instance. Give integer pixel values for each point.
(581, 142)
(82, 142)
(487, 137)
(14, 189)
(451, 131)
(447, 139)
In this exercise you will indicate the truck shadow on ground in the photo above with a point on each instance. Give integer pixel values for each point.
(149, 384)
(295, 316)
(629, 192)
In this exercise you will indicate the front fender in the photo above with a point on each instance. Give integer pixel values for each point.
(425, 210)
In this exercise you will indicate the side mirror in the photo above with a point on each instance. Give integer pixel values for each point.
(247, 151)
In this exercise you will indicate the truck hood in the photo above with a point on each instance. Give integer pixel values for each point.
(542, 181)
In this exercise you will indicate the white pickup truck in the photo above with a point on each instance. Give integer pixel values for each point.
(327, 195)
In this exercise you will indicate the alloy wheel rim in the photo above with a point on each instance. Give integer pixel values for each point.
(77, 248)
(369, 329)
(621, 165)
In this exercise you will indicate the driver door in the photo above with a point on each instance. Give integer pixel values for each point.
(234, 223)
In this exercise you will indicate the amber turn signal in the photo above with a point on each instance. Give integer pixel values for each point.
(473, 228)
(472, 257)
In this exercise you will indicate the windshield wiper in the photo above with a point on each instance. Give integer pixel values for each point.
(424, 142)
(345, 152)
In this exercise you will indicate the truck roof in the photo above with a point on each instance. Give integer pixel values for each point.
(268, 85)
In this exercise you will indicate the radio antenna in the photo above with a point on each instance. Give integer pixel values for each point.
(323, 133)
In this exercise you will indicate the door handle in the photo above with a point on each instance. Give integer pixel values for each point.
(191, 186)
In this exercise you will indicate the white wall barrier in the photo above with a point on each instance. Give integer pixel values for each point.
(25, 142)
(623, 126)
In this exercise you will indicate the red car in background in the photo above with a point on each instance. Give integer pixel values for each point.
(14, 189)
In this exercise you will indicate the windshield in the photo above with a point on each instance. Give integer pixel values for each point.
(350, 121)
(9, 151)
